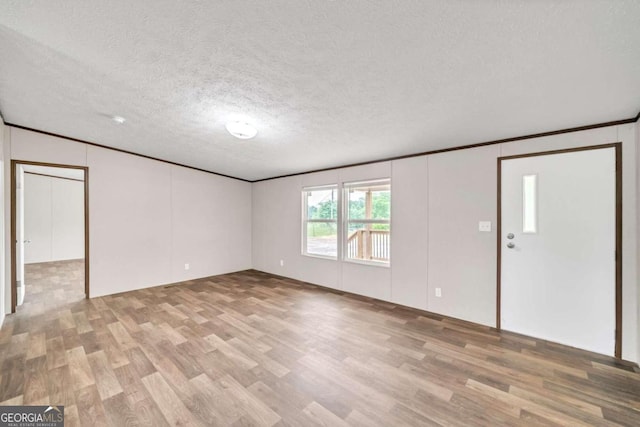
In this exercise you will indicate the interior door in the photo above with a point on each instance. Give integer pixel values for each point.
(558, 243)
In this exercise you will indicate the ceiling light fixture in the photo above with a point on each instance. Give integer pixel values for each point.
(241, 130)
(118, 119)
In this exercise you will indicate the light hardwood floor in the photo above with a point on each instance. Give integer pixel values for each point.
(250, 348)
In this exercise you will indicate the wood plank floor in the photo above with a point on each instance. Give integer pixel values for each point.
(52, 284)
(250, 348)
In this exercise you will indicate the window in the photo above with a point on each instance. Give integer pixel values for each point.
(320, 221)
(368, 221)
(364, 215)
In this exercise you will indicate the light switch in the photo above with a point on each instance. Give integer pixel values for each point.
(484, 226)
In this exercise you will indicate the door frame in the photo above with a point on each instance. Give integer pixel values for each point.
(14, 164)
(618, 230)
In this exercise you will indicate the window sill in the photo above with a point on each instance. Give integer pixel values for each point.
(327, 257)
(369, 263)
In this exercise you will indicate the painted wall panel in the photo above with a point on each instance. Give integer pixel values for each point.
(67, 218)
(38, 220)
(259, 193)
(637, 264)
(130, 222)
(568, 140)
(211, 224)
(630, 280)
(365, 172)
(54, 219)
(6, 191)
(277, 225)
(409, 232)
(462, 260)
(368, 280)
(37, 147)
(320, 178)
(4, 132)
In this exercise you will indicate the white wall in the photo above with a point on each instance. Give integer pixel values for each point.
(437, 201)
(410, 232)
(53, 219)
(638, 220)
(67, 218)
(462, 260)
(4, 131)
(211, 220)
(140, 211)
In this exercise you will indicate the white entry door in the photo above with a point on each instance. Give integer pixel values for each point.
(558, 241)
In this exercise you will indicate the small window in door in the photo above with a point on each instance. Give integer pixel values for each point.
(529, 204)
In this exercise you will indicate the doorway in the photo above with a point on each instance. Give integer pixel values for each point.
(49, 235)
(560, 247)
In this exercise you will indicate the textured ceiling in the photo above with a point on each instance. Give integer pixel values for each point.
(326, 83)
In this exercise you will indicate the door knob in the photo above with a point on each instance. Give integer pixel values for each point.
(510, 236)
(511, 245)
(26, 241)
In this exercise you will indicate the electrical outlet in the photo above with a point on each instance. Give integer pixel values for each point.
(439, 292)
(484, 226)
(186, 266)
(281, 263)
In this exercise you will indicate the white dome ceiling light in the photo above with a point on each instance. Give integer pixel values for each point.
(241, 130)
(118, 119)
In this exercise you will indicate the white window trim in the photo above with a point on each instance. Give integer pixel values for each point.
(369, 262)
(342, 221)
(351, 184)
(306, 221)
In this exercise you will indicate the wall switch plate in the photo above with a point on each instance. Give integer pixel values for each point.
(281, 263)
(439, 292)
(186, 266)
(484, 226)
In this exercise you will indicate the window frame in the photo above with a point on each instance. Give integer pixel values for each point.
(346, 221)
(306, 220)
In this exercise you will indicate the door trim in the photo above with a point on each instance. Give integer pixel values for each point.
(14, 163)
(618, 231)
